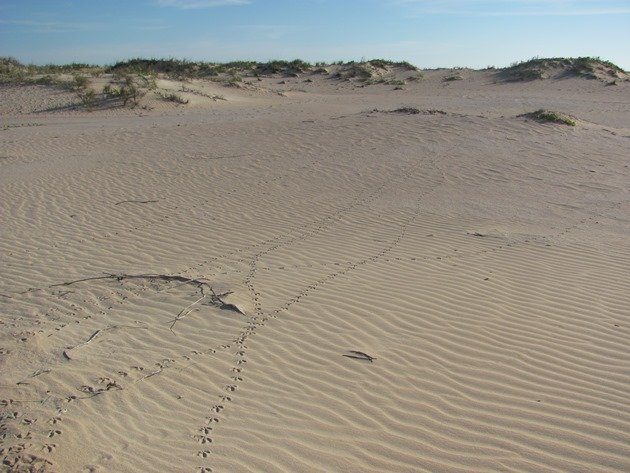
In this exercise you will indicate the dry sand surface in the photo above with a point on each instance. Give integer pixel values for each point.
(189, 288)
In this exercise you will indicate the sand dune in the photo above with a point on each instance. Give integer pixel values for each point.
(180, 284)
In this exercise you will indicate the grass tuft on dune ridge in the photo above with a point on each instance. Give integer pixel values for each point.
(549, 116)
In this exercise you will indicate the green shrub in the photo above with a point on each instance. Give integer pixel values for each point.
(552, 117)
(279, 66)
(127, 91)
(454, 76)
(536, 68)
(79, 82)
(45, 80)
(148, 81)
(384, 64)
(88, 98)
(380, 63)
(359, 71)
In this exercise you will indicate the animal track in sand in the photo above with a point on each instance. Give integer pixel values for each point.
(259, 318)
(260, 315)
(50, 447)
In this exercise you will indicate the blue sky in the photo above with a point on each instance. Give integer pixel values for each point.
(428, 33)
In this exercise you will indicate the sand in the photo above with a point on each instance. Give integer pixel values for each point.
(193, 288)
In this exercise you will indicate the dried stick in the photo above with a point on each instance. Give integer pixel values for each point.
(359, 355)
(183, 312)
(136, 202)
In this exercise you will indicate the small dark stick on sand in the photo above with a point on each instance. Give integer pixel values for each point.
(359, 355)
(136, 202)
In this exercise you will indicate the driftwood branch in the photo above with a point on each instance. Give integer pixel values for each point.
(95, 278)
(136, 202)
(359, 355)
(121, 277)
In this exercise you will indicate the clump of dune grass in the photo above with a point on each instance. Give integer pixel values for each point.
(127, 90)
(407, 110)
(453, 77)
(540, 68)
(185, 70)
(88, 99)
(81, 86)
(356, 70)
(13, 71)
(172, 97)
(79, 82)
(384, 64)
(296, 66)
(374, 71)
(548, 116)
(590, 66)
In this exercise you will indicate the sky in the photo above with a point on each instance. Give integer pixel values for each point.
(427, 33)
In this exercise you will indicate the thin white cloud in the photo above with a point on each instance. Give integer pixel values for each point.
(196, 4)
(587, 12)
(53, 26)
(515, 7)
(35, 26)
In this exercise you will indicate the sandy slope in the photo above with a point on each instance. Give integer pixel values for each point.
(180, 284)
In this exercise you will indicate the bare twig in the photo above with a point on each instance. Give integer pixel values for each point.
(66, 353)
(120, 277)
(34, 375)
(183, 312)
(150, 375)
(95, 278)
(210, 158)
(359, 355)
(136, 202)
